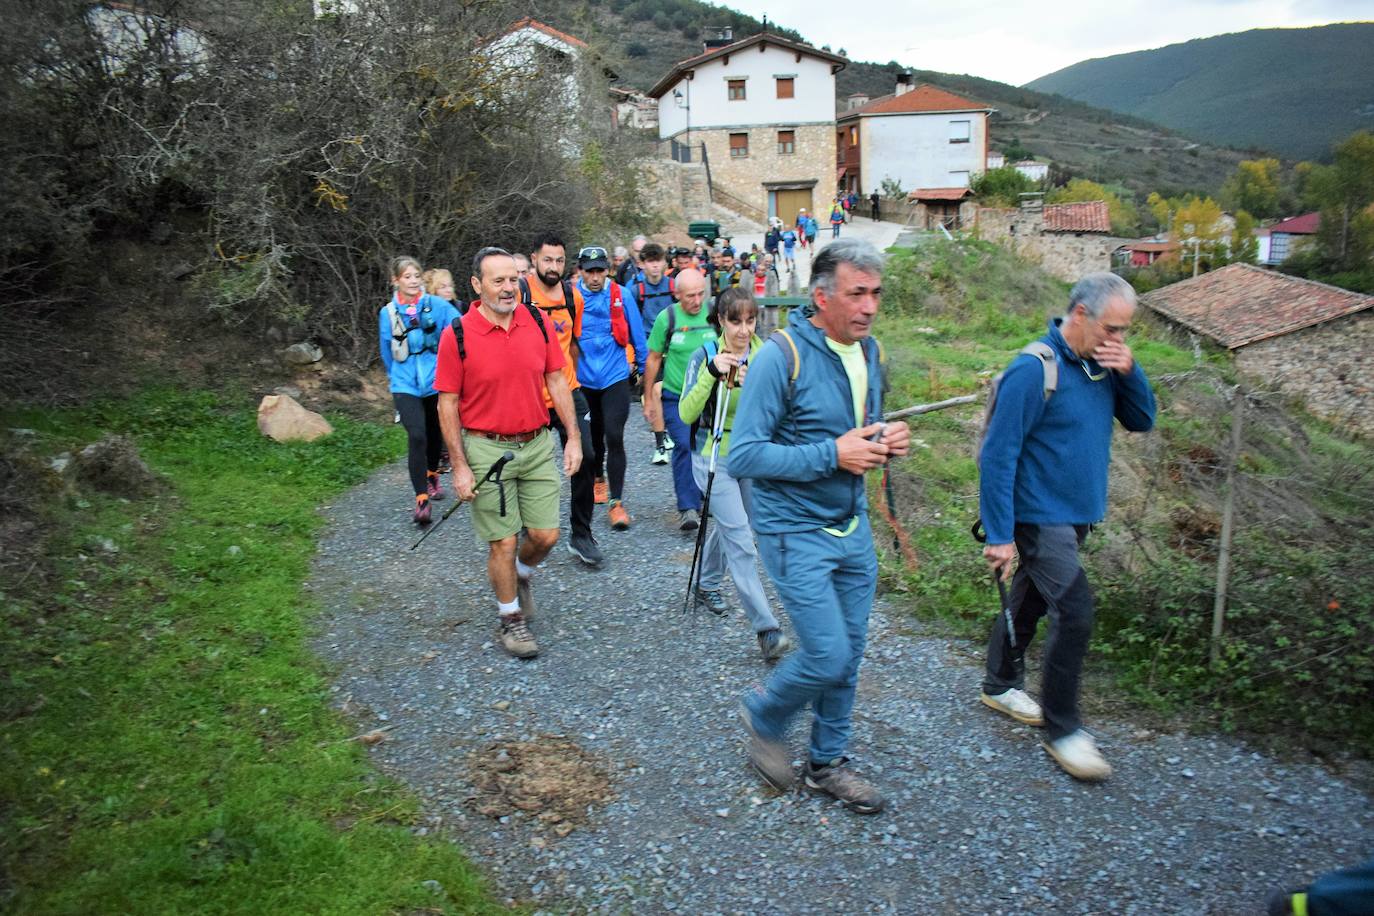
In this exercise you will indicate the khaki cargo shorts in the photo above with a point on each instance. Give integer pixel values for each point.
(531, 483)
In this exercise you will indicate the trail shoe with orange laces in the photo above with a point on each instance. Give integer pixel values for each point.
(432, 485)
(601, 491)
(516, 637)
(421, 516)
(620, 519)
(839, 781)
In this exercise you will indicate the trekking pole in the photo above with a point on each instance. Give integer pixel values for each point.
(493, 473)
(717, 429)
(1006, 608)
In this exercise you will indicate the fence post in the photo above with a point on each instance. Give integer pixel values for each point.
(1228, 512)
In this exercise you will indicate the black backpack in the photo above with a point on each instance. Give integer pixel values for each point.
(457, 326)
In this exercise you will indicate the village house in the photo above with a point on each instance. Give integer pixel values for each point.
(920, 137)
(1144, 252)
(763, 111)
(1067, 240)
(1286, 237)
(1308, 339)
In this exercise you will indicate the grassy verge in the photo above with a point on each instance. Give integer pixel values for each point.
(1296, 655)
(166, 742)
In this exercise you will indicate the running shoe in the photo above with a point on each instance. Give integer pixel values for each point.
(773, 644)
(436, 490)
(421, 516)
(768, 756)
(837, 780)
(660, 455)
(1078, 755)
(688, 520)
(668, 444)
(713, 600)
(620, 519)
(583, 546)
(516, 637)
(601, 491)
(1017, 704)
(525, 595)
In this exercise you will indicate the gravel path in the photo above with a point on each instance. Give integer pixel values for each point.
(980, 820)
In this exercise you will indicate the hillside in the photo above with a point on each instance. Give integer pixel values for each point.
(641, 40)
(1223, 89)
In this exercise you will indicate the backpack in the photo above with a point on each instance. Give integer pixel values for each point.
(730, 278)
(709, 408)
(457, 326)
(569, 303)
(873, 355)
(672, 326)
(789, 238)
(400, 333)
(1049, 368)
(645, 296)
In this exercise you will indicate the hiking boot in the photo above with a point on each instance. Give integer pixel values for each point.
(713, 599)
(525, 595)
(421, 516)
(516, 637)
(773, 644)
(688, 520)
(839, 781)
(436, 490)
(768, 756)
(620, 519)
(583, 546)
(1285, 902)
(601, 491)
(1078, 755)
(1017, 704)
(660, 455)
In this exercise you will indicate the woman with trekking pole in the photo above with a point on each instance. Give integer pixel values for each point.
(715, 376)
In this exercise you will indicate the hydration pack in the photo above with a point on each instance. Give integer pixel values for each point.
(401, 330)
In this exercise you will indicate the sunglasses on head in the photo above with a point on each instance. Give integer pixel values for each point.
(591, 254)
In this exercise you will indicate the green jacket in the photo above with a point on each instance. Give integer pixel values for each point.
(696, 390)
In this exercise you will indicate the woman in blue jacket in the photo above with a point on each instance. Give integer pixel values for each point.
(408, 331)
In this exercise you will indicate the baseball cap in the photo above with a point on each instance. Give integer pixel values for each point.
(593, 258)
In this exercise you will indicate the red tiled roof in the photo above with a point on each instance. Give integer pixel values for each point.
(1306, 224)
(916, 101)
(1152, 245)
(1084, 216)
(1241, 304)
(939, 194)
(547, 30)
(837, 63)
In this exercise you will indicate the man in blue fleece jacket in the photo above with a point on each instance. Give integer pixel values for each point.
(806, 445)
(1043, 485)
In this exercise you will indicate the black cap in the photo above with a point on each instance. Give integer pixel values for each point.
(593, 258)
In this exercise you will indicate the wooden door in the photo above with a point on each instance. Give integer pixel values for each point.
(790, 201)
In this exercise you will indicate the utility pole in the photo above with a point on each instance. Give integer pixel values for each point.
(1228, 513)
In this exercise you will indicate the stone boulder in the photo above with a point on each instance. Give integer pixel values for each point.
(113, 465)
(302, 354)
(281, 418)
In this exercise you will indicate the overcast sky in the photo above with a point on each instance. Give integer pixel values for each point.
(1015, 42)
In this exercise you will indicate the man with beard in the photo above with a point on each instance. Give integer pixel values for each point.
(561, 304)
(610, 322)
(493, 367)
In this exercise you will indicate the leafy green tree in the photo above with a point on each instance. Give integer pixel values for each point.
(1344, 193)
(1244, 245)
(1015, 152)
(1002, 186)
(1253, 187)
(1122, 210)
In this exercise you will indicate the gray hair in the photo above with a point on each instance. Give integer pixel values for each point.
(857, 253)
(620, 252)
(491, 251)
(1094, 291)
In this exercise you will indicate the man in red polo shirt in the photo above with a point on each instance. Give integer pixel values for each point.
(491, 400)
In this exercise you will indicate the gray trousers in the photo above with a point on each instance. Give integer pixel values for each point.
(1049, 582)
(730, 543)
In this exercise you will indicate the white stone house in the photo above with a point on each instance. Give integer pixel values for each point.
(532, 47)
(764, 109)
(920, 137)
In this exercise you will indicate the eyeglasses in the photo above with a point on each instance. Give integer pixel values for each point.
(591, 254)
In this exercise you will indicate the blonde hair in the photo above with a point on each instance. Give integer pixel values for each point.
(400, 263)
(434, 277)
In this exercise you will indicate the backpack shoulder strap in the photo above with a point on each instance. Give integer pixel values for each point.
(525, 297)
(539, 320)
(792, 357)
(672, 326)
(457, 326)
(1048, 364)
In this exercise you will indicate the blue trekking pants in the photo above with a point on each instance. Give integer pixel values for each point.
(684, 486)
(730, 543)
(826, 584)
(1348, 892)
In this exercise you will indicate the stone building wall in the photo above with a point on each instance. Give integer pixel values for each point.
(1065, 255)
(742, 178)
(1325, 366)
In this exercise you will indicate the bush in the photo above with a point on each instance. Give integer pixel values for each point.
(1001, 187)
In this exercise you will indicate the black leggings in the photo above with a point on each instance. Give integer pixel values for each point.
(610, 409)
(420, 417)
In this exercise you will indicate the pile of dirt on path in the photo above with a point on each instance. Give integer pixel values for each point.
(551, 779)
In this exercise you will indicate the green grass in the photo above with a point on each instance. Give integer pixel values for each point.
(168, 744)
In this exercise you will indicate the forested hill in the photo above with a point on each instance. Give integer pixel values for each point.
(1294, 92)
(642, 39)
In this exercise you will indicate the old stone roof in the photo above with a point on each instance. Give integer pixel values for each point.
(1241, 304)
(1084, 216)
(920, 100)
(940, 194)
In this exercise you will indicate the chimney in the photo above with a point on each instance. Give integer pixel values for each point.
(905, 82)
(717, 37)
(856, 100)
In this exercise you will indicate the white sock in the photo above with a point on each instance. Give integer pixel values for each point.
(522, 570)
(506, 608)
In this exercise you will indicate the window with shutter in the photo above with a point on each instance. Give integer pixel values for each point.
(787, 142)
(736, 90)
(739, 146)
(786, 88)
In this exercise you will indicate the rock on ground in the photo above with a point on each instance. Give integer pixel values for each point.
(113, 465)
(980, 820)
(281, 418)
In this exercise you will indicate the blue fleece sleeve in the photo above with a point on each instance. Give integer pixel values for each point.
(384, 335)
(762, 409)
(1020, 404)
(1135, 400)
(636, 329)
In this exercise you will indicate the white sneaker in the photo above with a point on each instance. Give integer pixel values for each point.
(1017, 704)
(668, 445)
(1077, 753)
(660, 455)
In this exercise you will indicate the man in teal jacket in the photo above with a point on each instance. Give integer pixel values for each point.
(806, 443)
